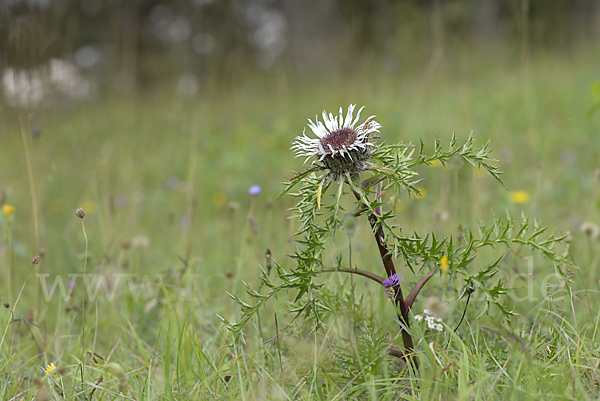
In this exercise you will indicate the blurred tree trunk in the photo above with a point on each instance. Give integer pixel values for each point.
(313, 27)
(130, 21)
(486, 20)
(596, 19)
(23, 45)
(586, 14)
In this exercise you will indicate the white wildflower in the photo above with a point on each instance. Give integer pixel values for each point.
(433, 322)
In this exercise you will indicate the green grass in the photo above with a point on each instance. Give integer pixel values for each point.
(163, 174)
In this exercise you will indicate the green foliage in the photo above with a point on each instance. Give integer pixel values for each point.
(364, 358)
(392, 172)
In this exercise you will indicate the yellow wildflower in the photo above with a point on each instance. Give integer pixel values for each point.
(436, 163)
(519, 197)
(423, 193)
(444, 267)
(8, 210)
(50, 369)
(219, 199)
(90, 207)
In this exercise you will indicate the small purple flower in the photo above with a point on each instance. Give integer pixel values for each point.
(70, 285)
(254, 190)
(393, 281)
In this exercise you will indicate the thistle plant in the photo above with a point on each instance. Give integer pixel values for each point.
(348, 162)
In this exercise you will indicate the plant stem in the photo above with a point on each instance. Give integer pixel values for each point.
(36, 223)
(413, 294)
(351, 277)
(464, 311)
(390, 269)
(12, 312)
(363, 273)
(409, 299)
(84, 294)
(353, 318)
(10, 262)
(302, 174)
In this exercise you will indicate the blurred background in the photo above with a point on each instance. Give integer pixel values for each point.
(84, 49)
(157, 116)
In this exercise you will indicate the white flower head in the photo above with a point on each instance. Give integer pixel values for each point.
(433, 322)
(341, 146)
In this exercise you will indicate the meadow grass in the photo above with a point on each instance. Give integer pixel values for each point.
(171, 229)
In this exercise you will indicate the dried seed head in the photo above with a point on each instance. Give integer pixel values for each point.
(590, 229)
(268, 261)
(350, 225)
(253, 224)
(233, 206)
(435, 307)
(125, 245)
(141, 242)
(80, 213)
(443, 216)
(229, 274)
(35, 260)
(6, 305)
(42, 394)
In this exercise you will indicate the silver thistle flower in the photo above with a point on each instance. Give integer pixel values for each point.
(341, 146)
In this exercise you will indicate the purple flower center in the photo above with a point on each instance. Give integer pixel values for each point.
(339, 138)
(393, 281)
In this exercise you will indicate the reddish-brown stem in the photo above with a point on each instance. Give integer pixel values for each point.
(413, 294)
(394, 351)
(363, 273)
(390, 269)
(398, 353)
